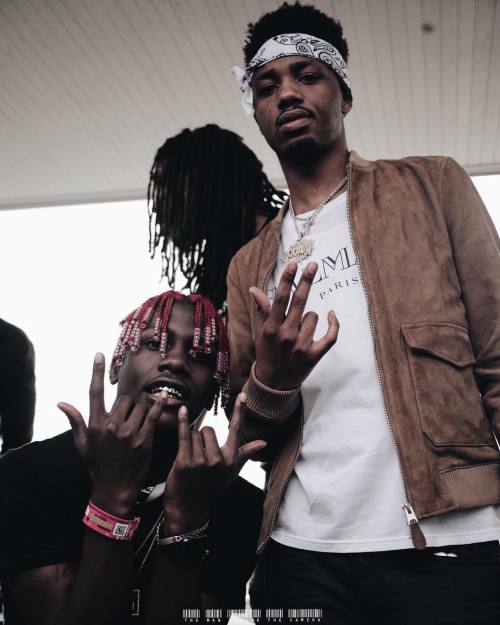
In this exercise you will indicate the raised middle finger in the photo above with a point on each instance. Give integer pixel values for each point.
(185, 448)
(299, 299)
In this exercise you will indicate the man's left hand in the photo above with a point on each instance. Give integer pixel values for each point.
(202, 470)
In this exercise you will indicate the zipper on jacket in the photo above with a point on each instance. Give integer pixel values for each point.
(284, 484)
(301, 421)
(417, 536)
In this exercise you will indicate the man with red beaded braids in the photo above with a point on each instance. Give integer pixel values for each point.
(167, 524)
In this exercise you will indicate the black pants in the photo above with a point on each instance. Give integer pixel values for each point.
(405, 587)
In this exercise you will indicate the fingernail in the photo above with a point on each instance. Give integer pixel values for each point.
(292, 267)
(243, 397)
(312, 267)
(99, 358)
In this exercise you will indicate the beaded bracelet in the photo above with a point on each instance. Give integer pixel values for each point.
(109, 525)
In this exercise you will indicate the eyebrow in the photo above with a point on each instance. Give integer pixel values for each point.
(295, 67)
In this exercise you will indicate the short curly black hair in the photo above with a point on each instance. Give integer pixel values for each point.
(294, 18)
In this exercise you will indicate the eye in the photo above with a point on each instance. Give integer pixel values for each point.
(152, 343)
(309, 78)
(266, 90)
(202, 357)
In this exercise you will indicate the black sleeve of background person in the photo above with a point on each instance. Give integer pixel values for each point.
(43, 493)
(232, 540)
(17, 394)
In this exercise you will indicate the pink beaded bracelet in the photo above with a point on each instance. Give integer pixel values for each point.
(109, 525)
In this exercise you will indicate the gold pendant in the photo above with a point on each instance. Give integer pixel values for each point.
(299, 251)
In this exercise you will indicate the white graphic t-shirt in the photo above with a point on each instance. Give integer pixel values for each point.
(346, 493)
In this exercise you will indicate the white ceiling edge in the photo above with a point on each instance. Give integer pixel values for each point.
(68, 200)
(492, 169)
(140, 194)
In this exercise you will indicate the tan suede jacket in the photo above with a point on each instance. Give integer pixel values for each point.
(429, 260)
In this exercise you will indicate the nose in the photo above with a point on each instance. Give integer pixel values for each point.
(175, 360)
(289, 93)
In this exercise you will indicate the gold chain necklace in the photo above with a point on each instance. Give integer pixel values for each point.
(302, 248)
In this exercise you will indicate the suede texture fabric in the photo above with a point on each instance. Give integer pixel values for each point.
(429, 257)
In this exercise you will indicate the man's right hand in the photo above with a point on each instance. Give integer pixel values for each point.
(285, 352)
(116, 447)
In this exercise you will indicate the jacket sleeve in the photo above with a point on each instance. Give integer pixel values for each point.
(266, 409)
(476, 249)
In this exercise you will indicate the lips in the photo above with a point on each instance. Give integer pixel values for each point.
(291, 116)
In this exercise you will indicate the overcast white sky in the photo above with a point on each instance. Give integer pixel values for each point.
(70, 273)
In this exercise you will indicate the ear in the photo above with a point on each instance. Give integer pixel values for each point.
(346, 107)
(113, 374)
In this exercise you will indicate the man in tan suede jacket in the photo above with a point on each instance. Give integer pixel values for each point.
(382, 502)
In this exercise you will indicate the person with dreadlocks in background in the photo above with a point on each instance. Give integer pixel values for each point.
(167, 524)
(207, 196)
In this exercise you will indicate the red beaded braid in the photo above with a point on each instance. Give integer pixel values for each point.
(209, 334)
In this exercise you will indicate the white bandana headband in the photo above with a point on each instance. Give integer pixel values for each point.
(290, 44)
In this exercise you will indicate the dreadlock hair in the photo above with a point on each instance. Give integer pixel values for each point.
(205, 190)
(209, 334)
(296, 18)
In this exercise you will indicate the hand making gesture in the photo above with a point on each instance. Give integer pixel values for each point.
(203, 470)
(285, 349)
(116, 446)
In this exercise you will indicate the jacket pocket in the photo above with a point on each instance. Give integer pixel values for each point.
(441, 363)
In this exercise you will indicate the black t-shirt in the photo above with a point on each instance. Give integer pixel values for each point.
(44, 489)
(17, 386)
